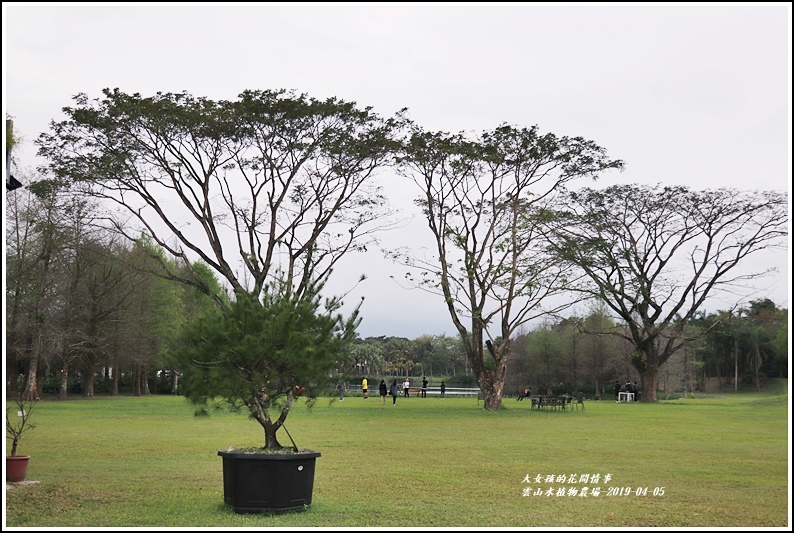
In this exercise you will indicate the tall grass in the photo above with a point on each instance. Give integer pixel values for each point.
(720, 461)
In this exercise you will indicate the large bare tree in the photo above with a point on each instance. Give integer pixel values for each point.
(273, 181)
(270, 190)
(655, 254)
(489, 262)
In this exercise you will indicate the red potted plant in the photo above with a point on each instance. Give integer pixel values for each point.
(18, 413)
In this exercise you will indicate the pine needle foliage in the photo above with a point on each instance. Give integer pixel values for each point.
(263, 354)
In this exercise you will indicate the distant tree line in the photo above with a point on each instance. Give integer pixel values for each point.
(89, 313)
(578, 355)
(86, 310)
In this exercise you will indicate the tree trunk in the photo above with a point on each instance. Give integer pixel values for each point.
(648, 384)
(492, 383)
(756, 364)
(271, 442)
(88, 384)
(687, 387)
(29, 393)
(492, 398)
(144, 382)
(115, 380)
(136, 380)
(12, 358)
(736, 363)
(63, 380)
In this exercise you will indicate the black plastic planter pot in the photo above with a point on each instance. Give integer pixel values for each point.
(268, 483)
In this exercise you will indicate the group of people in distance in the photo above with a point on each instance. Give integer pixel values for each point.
(394, 390)
(628, 387)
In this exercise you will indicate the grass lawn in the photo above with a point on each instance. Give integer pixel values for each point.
(720, 460)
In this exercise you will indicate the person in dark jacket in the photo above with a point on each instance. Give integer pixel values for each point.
(384, 390)
(394, 390)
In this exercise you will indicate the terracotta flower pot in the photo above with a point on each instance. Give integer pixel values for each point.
(16, 467)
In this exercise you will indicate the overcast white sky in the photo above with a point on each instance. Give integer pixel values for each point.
(692, 94)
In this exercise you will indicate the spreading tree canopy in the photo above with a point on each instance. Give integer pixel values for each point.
(489, 263)
(270, 190)
(655, 254)
(273, 181)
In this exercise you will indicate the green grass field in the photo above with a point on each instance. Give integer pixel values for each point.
(713, 461)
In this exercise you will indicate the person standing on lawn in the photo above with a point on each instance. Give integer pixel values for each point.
(384, 390)
(364, 387)
(395, 391)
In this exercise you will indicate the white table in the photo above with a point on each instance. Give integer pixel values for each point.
(625, 397)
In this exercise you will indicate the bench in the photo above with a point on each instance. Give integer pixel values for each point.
(548, 402)
(411, 391)
(479, 397)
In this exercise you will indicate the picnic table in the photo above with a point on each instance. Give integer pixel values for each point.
(625, 397)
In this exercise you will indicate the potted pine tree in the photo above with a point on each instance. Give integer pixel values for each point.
(261, 355)
(18, 413)
(281, 182)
